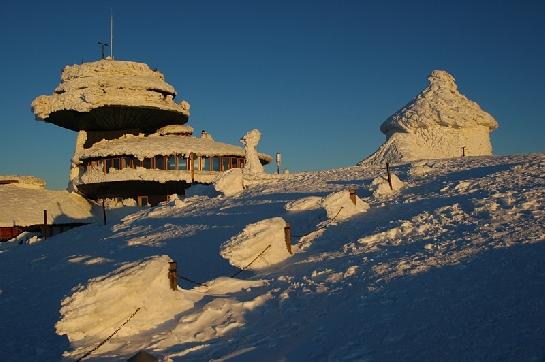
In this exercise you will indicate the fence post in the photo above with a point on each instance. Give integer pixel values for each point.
(287, 237)
(389, 175)
(464, 151)
(172, 275)
(353, 196)
(103, 212)
(45, 225)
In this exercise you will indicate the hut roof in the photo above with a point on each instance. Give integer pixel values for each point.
(439, 104)
(23, 203)
(109, 95)
(148, 146)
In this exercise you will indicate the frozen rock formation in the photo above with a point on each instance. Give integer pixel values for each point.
(250, 141)
(439, 123)
(106, 88)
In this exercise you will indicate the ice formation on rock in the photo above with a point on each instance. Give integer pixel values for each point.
(242, 249)
(439, 123)
(250, 141)
(339, 206)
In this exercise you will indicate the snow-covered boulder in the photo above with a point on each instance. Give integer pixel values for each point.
(304, 204)
(381, 187)
(93, 311)
(241, 249)
(438, 123)
(339, 205)
(250, 141)
(230, 182)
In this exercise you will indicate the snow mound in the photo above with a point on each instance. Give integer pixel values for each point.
(381, 187)
(306, 203)
(250, 141)
(439, 123)
(94, 311)
(420, 168)
(230, 182)
(177, 129)
(339, 206)
(243, 248)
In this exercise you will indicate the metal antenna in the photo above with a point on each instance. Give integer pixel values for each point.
(111, 34)
(102, 45)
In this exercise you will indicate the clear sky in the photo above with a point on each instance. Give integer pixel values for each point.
(316, 77)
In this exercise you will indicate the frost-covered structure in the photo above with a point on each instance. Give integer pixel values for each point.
(133, 137)
(439, 123)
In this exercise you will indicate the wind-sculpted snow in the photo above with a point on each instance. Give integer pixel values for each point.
(453, 257)
(437, 123)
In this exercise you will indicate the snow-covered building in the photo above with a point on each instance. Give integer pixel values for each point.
(440, 122)
(133, 138)
(23, 200)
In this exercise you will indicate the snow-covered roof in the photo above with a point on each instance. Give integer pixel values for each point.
(111, 94)
(23, 206)
(148, 146)
(23, 181)
(440, 103)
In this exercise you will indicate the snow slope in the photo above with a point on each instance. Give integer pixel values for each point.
(450, 267)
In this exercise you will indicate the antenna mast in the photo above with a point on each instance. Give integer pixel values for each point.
(111, 35)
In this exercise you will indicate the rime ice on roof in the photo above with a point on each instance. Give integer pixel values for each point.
(111, 95)
(438, 123)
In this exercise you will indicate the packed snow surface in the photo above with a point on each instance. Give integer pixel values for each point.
(23, 181)
(438, 123)
(304, 204)
(449, 267)
(23, 204)
(88, 86)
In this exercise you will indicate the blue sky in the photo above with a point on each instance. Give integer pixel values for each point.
(316, 77)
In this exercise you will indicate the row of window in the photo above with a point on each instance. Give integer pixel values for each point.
(172, 162)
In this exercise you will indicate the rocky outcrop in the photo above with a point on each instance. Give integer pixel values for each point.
(439, 123)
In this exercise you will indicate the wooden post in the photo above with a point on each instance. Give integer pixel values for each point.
(45, 224)
(353, 196)
(172, 275)
(389, 175)
(103, 212)
(192, 166)
(287, 237)
(464, 151)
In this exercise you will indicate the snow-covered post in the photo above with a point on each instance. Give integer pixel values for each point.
(287, 237)
(250, 141)
(172, 275)
(353, 196)
(464, 151)
(389, 175)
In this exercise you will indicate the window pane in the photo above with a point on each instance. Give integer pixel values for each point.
(159, 162)
(171, 162)
(137, 163)
(147, 162)
(116, 163)
(234, 162)
(206, 163)
(196, 163)
(215, 163)
(182, 163)
(241, 162)
(109, 165)
(225, 161)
